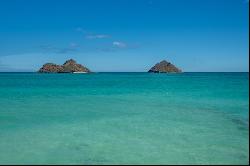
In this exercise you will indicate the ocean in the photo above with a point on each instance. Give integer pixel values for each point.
(124, 118)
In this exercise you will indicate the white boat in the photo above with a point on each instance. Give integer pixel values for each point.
(79, 72)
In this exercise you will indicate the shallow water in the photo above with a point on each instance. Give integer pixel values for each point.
(124, 118)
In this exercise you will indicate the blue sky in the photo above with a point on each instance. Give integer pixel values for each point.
(125, 35)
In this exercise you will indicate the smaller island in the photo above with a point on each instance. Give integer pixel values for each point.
(70, 66)
(165, 67)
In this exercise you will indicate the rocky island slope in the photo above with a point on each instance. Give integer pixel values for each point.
(164, 67)
(70, 66)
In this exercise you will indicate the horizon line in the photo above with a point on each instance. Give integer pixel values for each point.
(131, 72)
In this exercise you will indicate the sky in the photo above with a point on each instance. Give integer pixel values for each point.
(125, 35)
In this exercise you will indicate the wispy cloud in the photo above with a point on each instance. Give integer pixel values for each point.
(50, 48)
(66, 50)
(101, 36)
(106, 49)
(119, 44)
(74, 45)
(115, 45)
(80, 29)
(91, 35)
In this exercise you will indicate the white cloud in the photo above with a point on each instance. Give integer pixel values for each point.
(119, 44)
(97, 36)
(91, 35)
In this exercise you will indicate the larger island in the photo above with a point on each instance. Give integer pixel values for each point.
(70, 66)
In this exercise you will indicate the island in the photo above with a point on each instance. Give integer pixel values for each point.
(70, 66)
(164, 67)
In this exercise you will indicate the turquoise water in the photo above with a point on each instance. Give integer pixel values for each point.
(124, 118)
